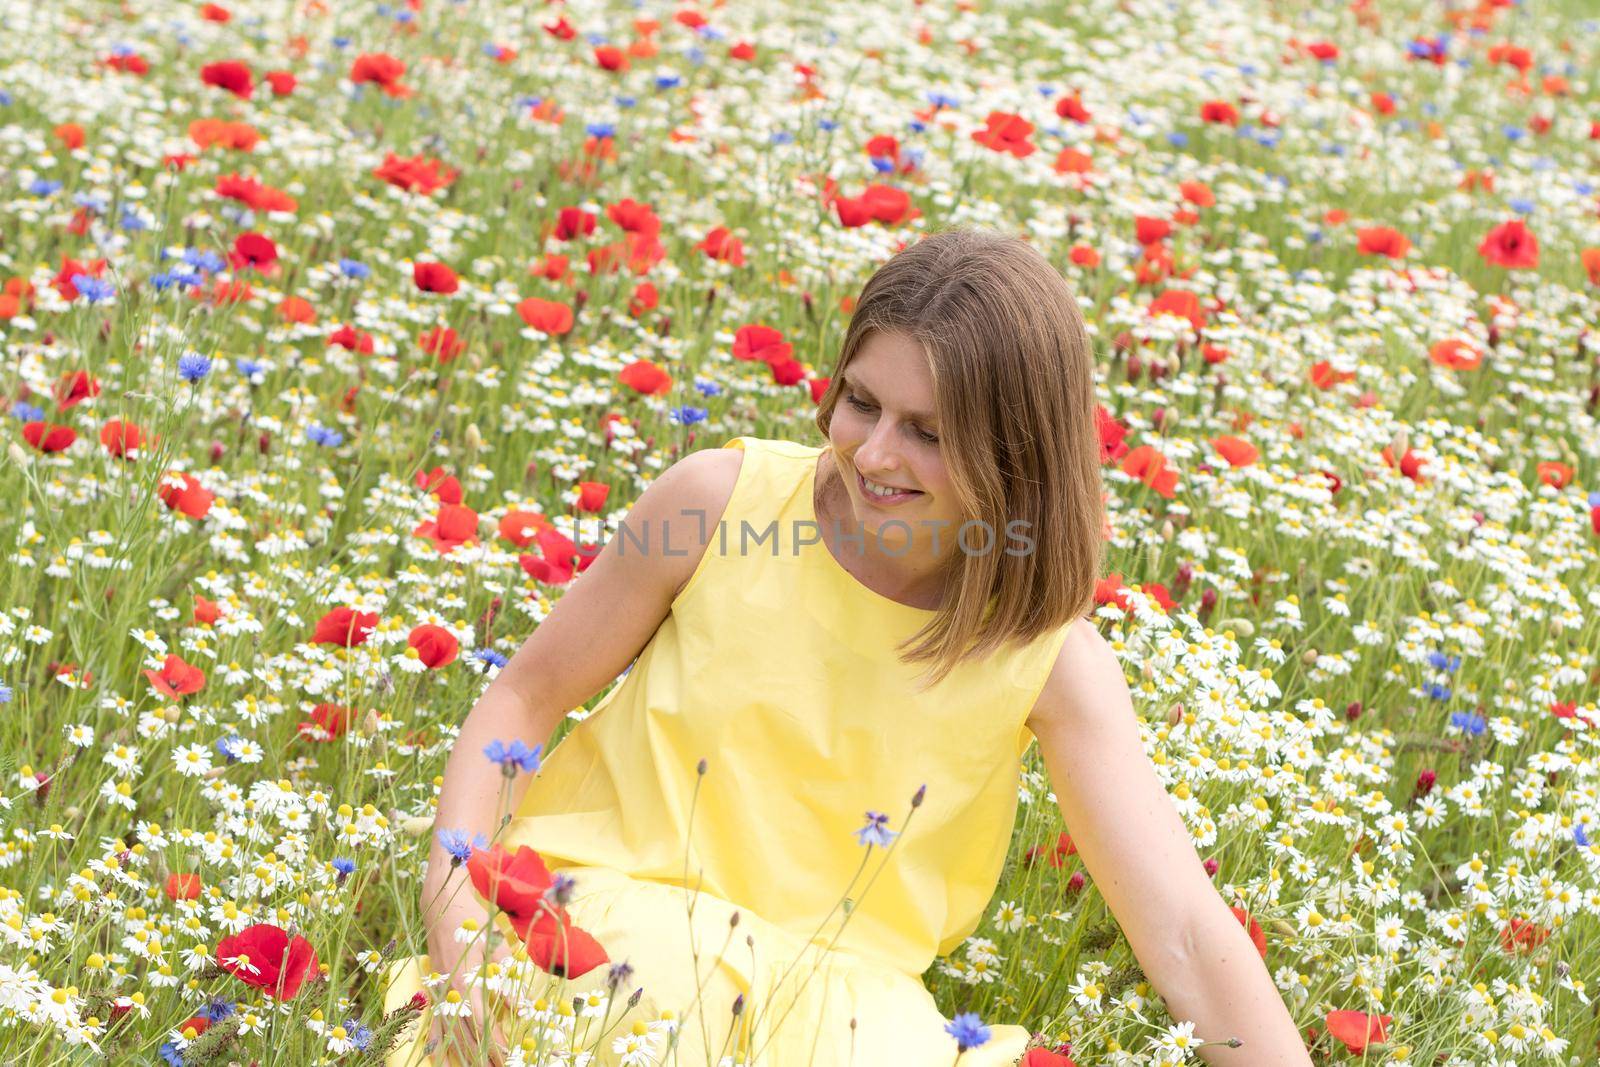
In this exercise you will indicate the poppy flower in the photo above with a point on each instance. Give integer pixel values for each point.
(434, 278)
(559, 947)
(818, 386)
(453, 525)
(344, 626)
(183, 492)
(546, 316)
(644, 298)
(297, 309)
(436, 646)
(1073, 161)
(788, 371)
(1382, 241)
(1006, 132)
(415, 174)
(440, 484)
(559, 558)
(1181, 303)
(1258, 937)
(760, 342)
(574, 222)
(610, 57)
(130, 63)
(720, 244)
(74, 387)
(1112, 431)
(1455, 354)
(1148, 231)
(519, 526)
(255, 194)
(229, 74)
(381, 69)
(443, 342)
(888, 204)
(1590, 258)
(351, 338)
(1557, 475)
(176, 678)
(1043, 1057)
(1357, 1029)
(645, 377)
(1510, 245)
(1071, 107)
(1236, 450)
(1150, 467)
(592, 495)
(253, 250)
(1084, 256)
(1410, 464)
(328, 722)
(1197, 193)
(634, 217)
(1220, 112)
(283, 82)
(183, 886)
(266, 957)
(1324, 376)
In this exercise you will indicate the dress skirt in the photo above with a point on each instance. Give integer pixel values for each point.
(787, 1020)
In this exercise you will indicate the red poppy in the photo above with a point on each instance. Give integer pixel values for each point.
(1590, 258)
(788, 371)
(1455, 354)
(443, 342)
(297, 309)
(230, 74)
(215, 13)
(1324, 376)
(1410, 464)
(1219, 111)
(74, 387)
(252, 192)
(546, 316)
(328, 722)
(282, 81)
(760, 342)
(1043, 1057)
(1236, 450)
(514, 883)
(1181, 303)
(1147, 230)
(610, 57)
(559, 947)
(1357, 1029)
(574, 222)
(1258, 937)
(128, 64)
(436, 647)
(453, 525)
(1006, 132)
(206, 611)
(434, 278)
(1197, 193)
(381, 68)
(266, 957)
(1071, 107)
(1382, 241)
(644, 299)
(1084, 256)
(1383, 103)
(720, 244)
(344, 626)
(183, 886)
(519, 526)
(592, 495)
(183, 492)
(1510, 245)
(253, 250)
(1150, 467)
(417, 174)
(742, 50)
(634, 217)
(559, 558)
(176, 678)
(645, 377)
(1112, 431)
(818, 386)
(1557, 475)
(1323, 50)
(440, 484)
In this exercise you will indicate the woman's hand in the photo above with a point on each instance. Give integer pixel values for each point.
(456, 1039)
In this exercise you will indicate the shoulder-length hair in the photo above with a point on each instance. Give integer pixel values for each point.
(1013, 373)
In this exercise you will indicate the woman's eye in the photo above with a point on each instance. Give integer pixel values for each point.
(856, 403)
(928, 437)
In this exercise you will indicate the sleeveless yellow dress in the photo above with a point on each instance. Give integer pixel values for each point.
(777, 667)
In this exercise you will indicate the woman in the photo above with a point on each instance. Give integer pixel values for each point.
(804, 787)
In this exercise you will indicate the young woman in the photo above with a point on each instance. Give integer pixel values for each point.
(836, 708)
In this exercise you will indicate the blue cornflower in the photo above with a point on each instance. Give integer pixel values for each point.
(1436, 691)
(130, 221)
(560, 889)
(1513, 133)
(344, 867)
(600, 129)
(968, 1030)
(193, 366)
(228, 746)
(27, 412)
(1471, 722)
(202, 259)
(624, 101)
(359, 1035)
(942, 100)
(1521, 205)
(513, 757)
(459, 845)
(781, 137)
(1441, 662)
(491, 657)
(323, 436)
(1580, 836)
(1594, 498)
(92, 289)
(167, 279)
(169, 1052)
(668, 81)
(1178, 139)
(710, 32)
(713, 389)
(686, 415)
(5, 693)
(829, 124)
(882, 164)
(595, 38)
(44, 187)
(341, 42)
(354, 269)
(694, 55)
(90, 201)
(5, 98)
(217, 1009)
(254, 372)
(876, 832)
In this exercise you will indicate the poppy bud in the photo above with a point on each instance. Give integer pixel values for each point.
(1075, 883)
(700, 768)
(1175, 713)
(1309, 657)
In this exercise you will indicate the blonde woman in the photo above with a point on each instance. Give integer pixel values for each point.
(839, 653)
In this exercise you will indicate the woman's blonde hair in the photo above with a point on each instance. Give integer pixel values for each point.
(1013, 373)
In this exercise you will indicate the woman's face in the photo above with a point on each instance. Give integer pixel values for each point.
(884, 430)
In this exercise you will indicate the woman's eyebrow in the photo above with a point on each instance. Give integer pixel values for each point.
(923, 416)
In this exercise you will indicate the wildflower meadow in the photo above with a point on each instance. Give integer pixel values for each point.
(337, 337)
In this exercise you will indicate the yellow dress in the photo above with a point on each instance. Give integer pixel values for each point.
(777, 667)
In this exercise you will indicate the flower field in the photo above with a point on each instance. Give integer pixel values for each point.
(335, 338)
